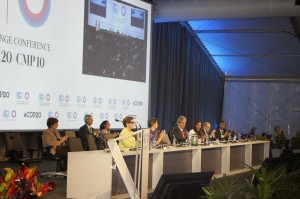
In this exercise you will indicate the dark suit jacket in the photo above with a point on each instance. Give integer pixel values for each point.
(82, 134)
(218, 134)
(178, 134)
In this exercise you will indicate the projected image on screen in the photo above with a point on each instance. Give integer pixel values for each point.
(115, 42)
(137, 18)
(98, 7)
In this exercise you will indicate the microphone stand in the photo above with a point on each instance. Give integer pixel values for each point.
(138, 162)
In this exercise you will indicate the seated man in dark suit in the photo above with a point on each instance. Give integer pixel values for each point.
(87, 129)
(180, 132)
(221, 132)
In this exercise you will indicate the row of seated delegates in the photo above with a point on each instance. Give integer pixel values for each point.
(129, 142)
(105, 131)
(54, 144)
(87, 129)
(155, 134)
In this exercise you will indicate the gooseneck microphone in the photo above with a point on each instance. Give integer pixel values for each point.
(140, 127)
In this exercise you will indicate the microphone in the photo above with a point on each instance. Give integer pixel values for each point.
(105, 145)
(139, 125)
(118, 120)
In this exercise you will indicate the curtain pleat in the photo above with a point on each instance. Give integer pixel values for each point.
(184, 81)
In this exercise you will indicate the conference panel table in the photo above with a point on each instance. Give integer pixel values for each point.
(92, 174)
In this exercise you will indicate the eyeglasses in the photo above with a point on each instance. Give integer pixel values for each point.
(131, 122)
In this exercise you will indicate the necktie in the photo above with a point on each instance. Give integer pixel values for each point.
(183, 135)
(90, 130)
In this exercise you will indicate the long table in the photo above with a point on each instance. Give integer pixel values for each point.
(91, 174)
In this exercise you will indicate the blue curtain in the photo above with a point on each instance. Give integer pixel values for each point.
(184, 80)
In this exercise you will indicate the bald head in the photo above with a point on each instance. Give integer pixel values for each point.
(206, 126)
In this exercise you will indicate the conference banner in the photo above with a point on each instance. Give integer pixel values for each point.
(66, 59)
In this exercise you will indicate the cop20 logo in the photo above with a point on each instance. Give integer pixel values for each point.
(35, 19)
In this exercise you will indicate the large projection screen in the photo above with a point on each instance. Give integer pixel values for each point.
(67, 58)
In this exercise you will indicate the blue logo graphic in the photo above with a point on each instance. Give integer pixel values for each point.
(78, 99)
(115, 8)
(50, 114)
(41, 96)
(118, 116)
(125, 102)
(123, 10)
(95, 100)
(69, 115)
(35, 19)
(61, 98)
(19, 95)
(5, 114)
(103, 116)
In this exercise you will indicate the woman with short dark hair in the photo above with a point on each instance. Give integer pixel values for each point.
(53, 143)
(155, 134)
(128, 142)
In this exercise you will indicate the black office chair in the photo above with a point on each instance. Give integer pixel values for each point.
(91, 142)
(15, 149)
(70, 133)
(45, 156)
(75, 144)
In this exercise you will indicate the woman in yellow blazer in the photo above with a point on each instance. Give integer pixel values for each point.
(128, 142)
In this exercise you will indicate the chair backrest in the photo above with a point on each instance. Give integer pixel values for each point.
(70, 133)
(75, 144)
(40, 146)
(91, 142)
(14, 145)
(109, 136)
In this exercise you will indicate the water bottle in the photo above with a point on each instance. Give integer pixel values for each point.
(207, 137)
(174, 141)
(153, 144)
